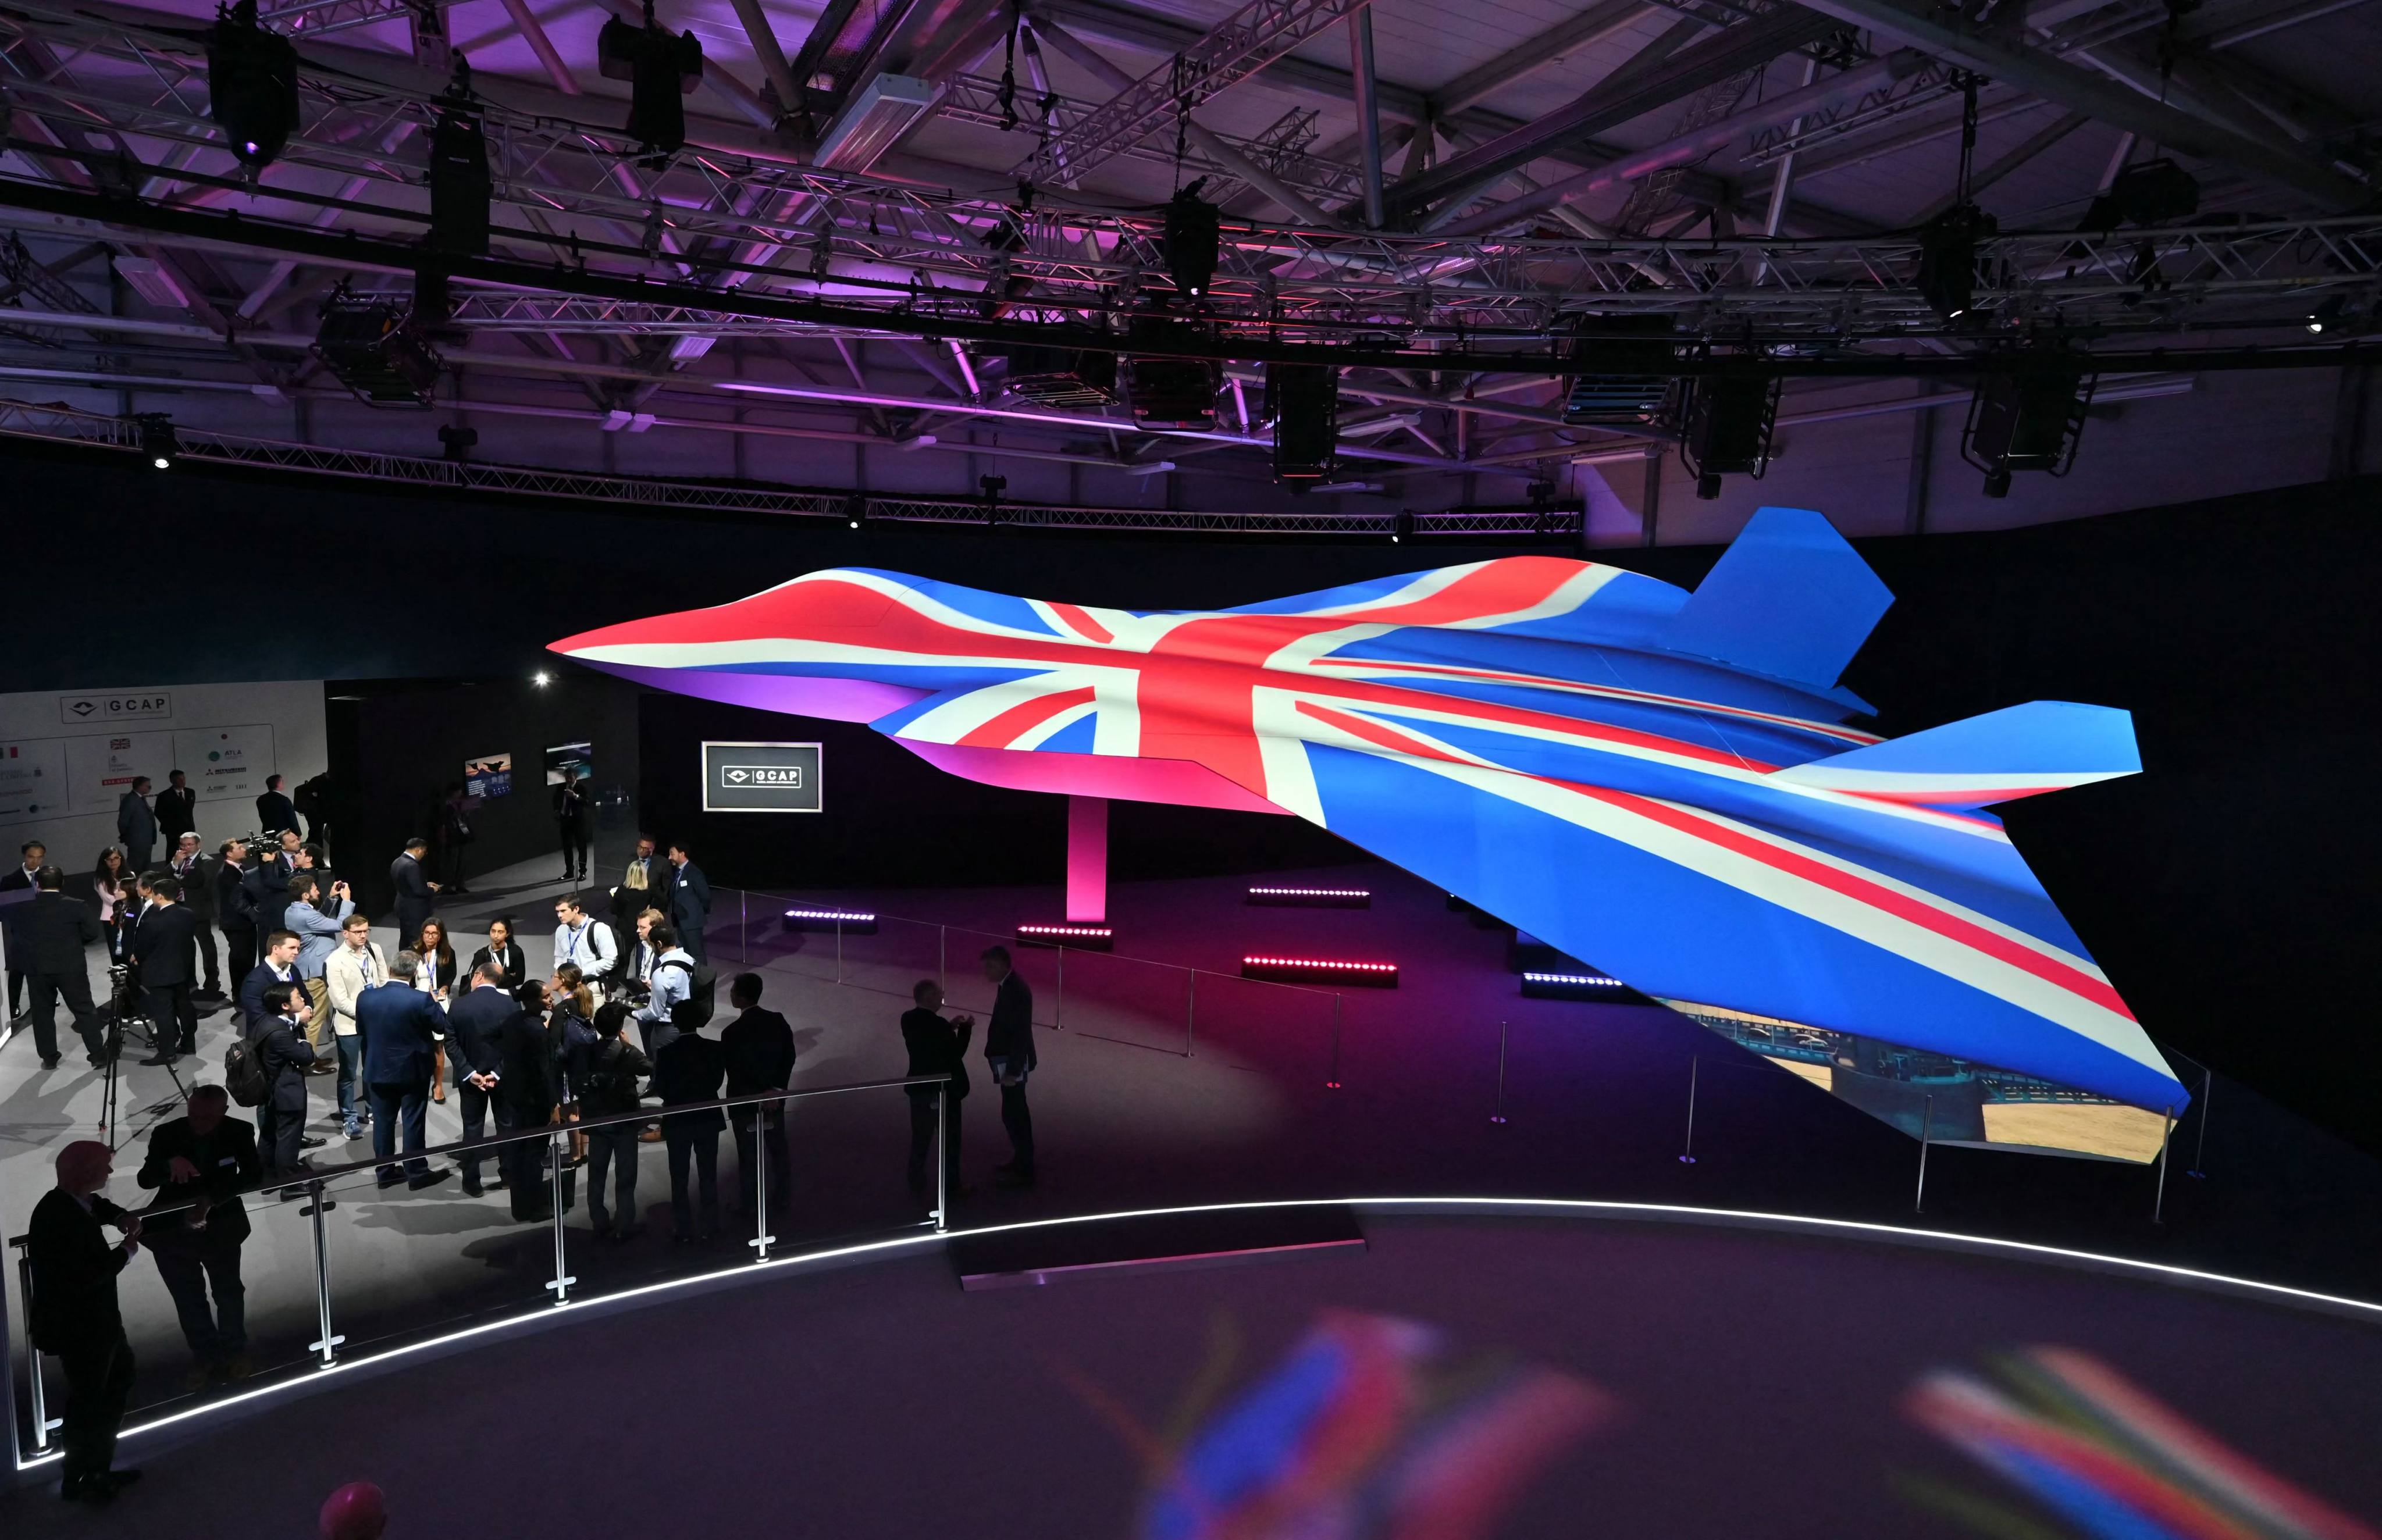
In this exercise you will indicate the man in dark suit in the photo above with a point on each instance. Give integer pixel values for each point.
(645, 885)
(525, 1100)
(203, 1158)
(571, 822)
(938, 1045)
(690, 903)
(235, 909)
(1008, 1049)
(165, 950)
(22, 879)
(267, 885)
(759, 1049)
(74, 1314)
(400, 1027)
(49, 938)
(279, 965)
(196, 873)
(415, 891)
(136, 824)
(691, 1068)
(476, 1025)
(278, 1038)
(177, 809)
(275, 811)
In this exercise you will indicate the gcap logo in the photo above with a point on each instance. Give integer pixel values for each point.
(139, 705)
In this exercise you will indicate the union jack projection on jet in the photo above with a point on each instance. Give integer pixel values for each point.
(1659, 782)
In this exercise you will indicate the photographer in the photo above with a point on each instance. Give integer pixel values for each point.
(316, 917)
(235, 910)
(203, 1158)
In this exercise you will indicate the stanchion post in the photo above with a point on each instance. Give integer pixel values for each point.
(839, 949)
(2200, 1142)
(1688, 1156)
(1926, 1131)
(744, 927)
(1190, 1007)
(1499, 1115)
(1333, 1083)
(2167, 1136)
(557, 1155)
(326, 1348)
(944, 957)
(1058, 996)
(942, 1172)
(762, 1240)
(42, 1422)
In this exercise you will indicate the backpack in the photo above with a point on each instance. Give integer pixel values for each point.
(694, 1013)
(244, 1074)
(610, 1087)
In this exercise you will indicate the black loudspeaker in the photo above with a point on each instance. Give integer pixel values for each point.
(1621, 363)
(2030, 422)
(1946, 277)
(1303, 399)
(1729, 419)
(460, 186)
(660, 68)
(252, 85)
(1192, 242)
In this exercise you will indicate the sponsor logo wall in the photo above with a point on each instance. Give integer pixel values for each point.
(67, 759)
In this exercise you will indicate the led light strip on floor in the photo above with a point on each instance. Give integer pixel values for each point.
(2367, 1311)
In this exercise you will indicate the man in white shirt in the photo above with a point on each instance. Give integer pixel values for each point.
(356, 966)
(578, 939)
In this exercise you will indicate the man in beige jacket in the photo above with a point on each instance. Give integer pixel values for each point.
(356, 966)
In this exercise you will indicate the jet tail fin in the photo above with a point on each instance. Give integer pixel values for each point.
(1998, 757)
(1789, 599)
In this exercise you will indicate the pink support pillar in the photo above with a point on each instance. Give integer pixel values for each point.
(1087, 859)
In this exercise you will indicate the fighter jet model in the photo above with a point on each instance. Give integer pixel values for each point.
(1663, 783)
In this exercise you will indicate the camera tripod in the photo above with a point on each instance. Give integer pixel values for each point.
(123, 1017)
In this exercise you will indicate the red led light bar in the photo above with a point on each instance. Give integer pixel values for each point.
(1074, 933)
(1316, 970)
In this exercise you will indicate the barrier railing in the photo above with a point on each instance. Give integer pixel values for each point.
(417, 1213)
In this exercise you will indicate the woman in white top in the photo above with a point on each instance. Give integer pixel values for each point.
(111, 882)
(436, 979)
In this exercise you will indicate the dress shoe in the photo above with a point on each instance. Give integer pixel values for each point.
(97, 1062)
(472, 1189)
(432, 1180)
(312, 1141)
(50, 1062)
(390, 1180)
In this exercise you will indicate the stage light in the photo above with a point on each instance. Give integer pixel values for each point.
(660, 69)
(850, 922)
(1302, 401)
(157, 441)
(1191, 240)
(1060, 377)
(1946, 277)
(1316, 970)
(1082, 937)
(459, 442)
(376, 350)
(2030, 422)
(1569, 986)
(1730, 420)
(541, 679)
(252, 85)
(1402, 526)
(1311, 897)
(1618, 370)
(459, 185)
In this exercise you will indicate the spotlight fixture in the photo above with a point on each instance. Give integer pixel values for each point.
(157, 441)
(2026, 421)
(1191, 240)
(2331, 315)
(660, 69)
(1316, 970)
(1946, 278)
(2151, 192)
(992, 487)
(1060, 377)
(541, 679)
(252, 85)
(459, 442)
(1619, 365)
(378, 351)
(459, 185)
(1079, 937)
(1729, 419)
(856, 511)
(1303, 402)
(1402, 526)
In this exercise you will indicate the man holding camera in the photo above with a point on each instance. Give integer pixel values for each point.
(316, 921)
(203, 1158)
(235, 910)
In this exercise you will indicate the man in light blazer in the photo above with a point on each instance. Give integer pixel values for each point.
(356, 965)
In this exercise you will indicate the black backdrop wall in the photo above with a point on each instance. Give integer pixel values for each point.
(2230, 891)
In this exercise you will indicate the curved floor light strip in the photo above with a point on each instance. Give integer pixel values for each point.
(2365, 1310)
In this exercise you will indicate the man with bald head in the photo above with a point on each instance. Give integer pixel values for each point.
(74, 1314)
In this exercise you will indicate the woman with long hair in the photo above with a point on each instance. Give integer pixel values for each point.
(111, 881)
(436, 980)
(570, 1039)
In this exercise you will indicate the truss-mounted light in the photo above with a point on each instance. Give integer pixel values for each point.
(879, 114)
(158, 443)
(660, 68)
(252, 85)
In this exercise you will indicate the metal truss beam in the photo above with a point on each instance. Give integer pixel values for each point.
(1235, 49)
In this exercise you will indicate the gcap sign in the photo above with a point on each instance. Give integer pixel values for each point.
(761, 777)
(135, 705)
